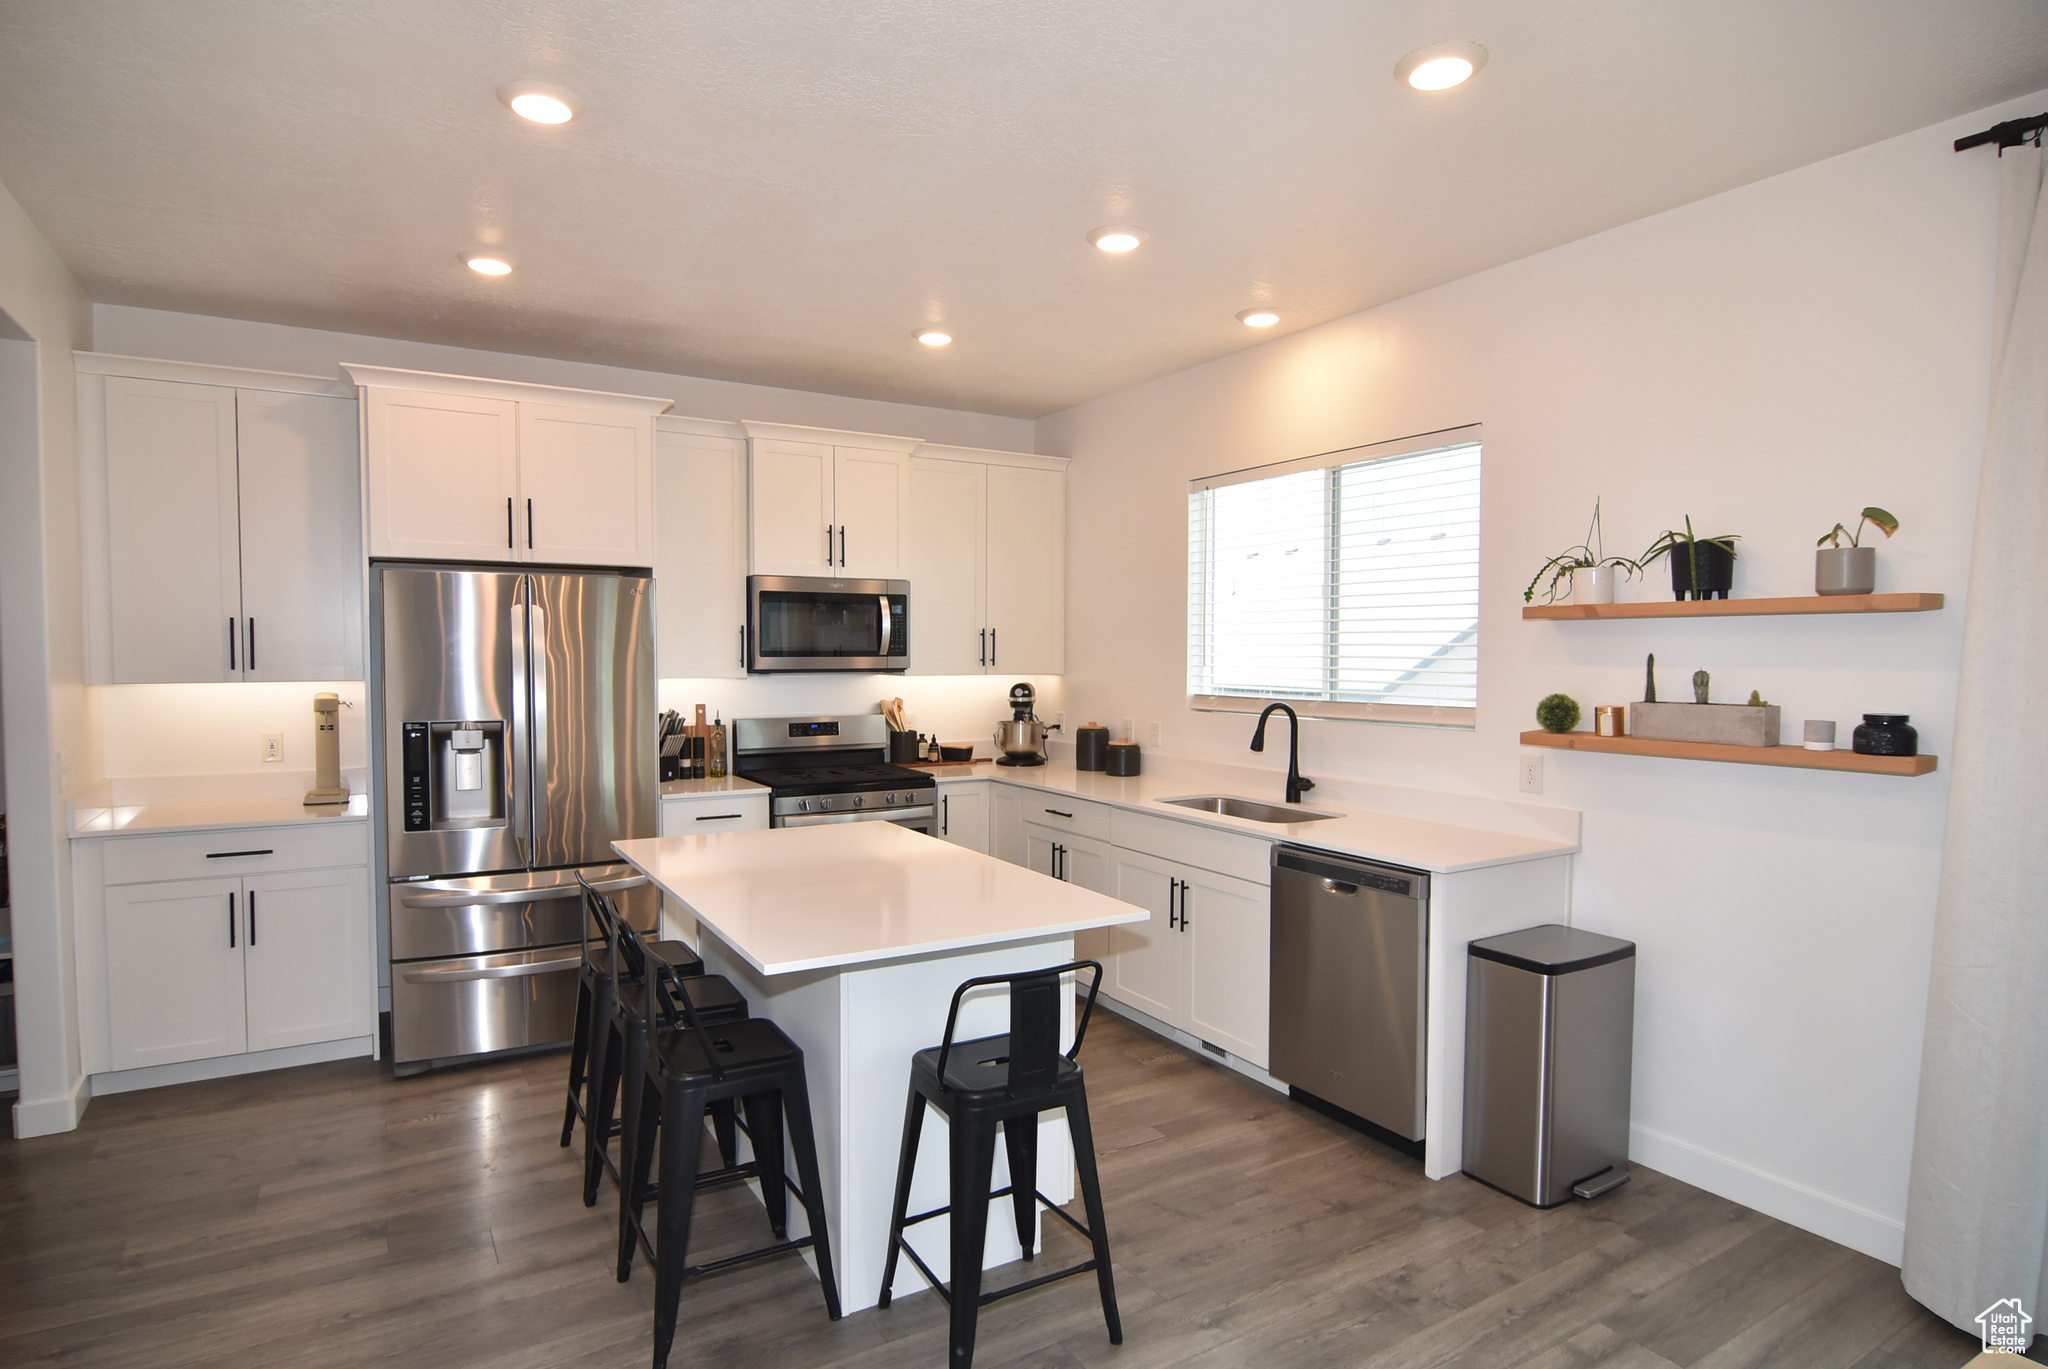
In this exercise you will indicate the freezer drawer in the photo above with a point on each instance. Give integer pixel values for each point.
(489, 913)
(441, 1009)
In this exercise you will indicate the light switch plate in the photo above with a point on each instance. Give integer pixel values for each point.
(1532, 772)
(273, 747)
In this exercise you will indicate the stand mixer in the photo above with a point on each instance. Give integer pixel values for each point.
(1021, 736)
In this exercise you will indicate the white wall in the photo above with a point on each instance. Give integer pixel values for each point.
(1767, 361)
(51, 740)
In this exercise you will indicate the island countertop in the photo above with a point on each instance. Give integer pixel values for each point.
(816, 898)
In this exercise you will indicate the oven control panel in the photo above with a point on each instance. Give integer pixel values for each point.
(881, 803)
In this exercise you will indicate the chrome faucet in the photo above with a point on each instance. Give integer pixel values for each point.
(1296, 784)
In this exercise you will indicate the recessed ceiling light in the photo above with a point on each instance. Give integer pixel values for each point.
(539, 103)
(932, 337)
(1440, 65)
(485, 265)
(1258, 318)
(1118, 239)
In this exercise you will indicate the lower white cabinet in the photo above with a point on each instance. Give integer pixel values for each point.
(964, 815)
(1006, 824)
(683, 815)
(193, 969)
(1200, 962)
(1063, 855)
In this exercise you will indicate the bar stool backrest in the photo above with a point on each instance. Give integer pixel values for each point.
(1034, 1024)
(664, 1001)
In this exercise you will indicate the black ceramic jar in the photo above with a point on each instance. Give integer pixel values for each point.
(1885, 734)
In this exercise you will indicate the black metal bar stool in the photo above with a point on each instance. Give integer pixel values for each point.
(1006, 1082)
(687, 1066)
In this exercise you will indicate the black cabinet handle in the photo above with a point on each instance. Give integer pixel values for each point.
(223, 855)
(719, 817)
(991, 647)
(1172, 904)
(1058, 814)
(828, 544)
(743, 646)
(508, 522)
(231, 644)
(249, 626)
(252, 919)
(529, 525)
(231, 922)
(1185, 920)
(944, 812)
(984, 646)
(842, 546)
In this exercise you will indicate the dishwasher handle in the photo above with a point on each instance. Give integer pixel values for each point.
(1345, 876)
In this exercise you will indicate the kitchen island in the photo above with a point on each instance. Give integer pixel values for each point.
(852, 938)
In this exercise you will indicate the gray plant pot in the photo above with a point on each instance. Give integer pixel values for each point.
(1726, 724)
(1845, 570)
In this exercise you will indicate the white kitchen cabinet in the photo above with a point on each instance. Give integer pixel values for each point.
(469, 469)
(826, 503)
(700, 549)
(685, 815)
(964, 815)
(306, 958)
(174, 972)
(1147, 965)
(1200, 962)
(1077, 860)
(987, 563)
(1006, 823)
(229, 519)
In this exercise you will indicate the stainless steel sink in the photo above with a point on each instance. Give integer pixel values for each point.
(1232, 807)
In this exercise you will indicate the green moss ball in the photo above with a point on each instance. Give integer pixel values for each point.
(1558, 713)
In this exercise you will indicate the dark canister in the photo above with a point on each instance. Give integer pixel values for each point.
(1885, 734)
(1121, 758)
(1091, 747)
(903, 748)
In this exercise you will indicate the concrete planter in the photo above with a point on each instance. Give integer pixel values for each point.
(1724, 724)
(1594, 584)
(1845, 570)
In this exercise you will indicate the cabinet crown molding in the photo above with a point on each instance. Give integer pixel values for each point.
(788, 432)
(481, 387)
(200, 373)
(989, 456)
(700, 427)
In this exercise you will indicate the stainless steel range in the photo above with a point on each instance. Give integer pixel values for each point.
(828, 769)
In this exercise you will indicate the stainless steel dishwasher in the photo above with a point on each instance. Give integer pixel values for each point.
(1350, 952)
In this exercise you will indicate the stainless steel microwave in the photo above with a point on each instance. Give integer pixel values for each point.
(804, 622)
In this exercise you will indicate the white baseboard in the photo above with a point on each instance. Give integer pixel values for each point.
(226, 1066)
(1192, 1042)
(48, 1116)
(1878, 1236)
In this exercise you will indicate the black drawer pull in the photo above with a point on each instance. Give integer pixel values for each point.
(223, 855)
(1058, 814)
(719, 817)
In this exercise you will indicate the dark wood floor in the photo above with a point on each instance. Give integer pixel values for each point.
(332, 1216)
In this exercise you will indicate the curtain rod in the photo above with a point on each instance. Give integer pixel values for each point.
(2011, 133)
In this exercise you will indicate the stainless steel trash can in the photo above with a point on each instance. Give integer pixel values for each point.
(1549, 1032)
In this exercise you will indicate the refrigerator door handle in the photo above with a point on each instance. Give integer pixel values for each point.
(519, 774)
(458, 974)
(537, 737)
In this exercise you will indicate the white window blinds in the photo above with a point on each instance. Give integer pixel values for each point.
(1346, 584)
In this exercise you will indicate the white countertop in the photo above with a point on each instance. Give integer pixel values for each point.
(815, 898)
(728, 784)
(120, 819)
(1416, 842)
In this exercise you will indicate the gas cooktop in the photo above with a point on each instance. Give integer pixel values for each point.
(840, 779)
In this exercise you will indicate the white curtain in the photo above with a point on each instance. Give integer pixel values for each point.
(1977, 1210)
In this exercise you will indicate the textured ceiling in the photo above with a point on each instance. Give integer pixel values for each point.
(780, 191)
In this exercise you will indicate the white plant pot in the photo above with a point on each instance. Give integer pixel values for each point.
(1594, 584)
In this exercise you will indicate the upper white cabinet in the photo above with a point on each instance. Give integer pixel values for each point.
(461, 468)
(828, 503)
(987, 562)
(222, 516)
(700, 548)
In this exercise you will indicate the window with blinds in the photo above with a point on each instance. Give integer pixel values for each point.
(1345, 584)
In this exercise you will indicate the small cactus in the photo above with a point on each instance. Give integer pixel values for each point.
(1699, 686)
(1650, 679)
(1756, 699)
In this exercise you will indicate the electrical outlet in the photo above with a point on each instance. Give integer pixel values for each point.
(1154, 733)
(1532, 772)
(273, 747)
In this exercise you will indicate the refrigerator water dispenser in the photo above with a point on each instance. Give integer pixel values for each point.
(454, 774)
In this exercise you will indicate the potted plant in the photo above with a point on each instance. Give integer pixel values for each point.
(1852, 569)
(1703, 567)
(1592, 571)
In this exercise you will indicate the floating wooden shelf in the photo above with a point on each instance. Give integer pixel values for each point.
(1796, 756)
(1742, 608)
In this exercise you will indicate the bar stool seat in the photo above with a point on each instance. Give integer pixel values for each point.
(984, 1085)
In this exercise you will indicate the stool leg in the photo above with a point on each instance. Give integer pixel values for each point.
(604, 1076)
(906, 1161)
(1020, 1139)
(579, 1053)
(796, 1102)
(764, 1125)
(726, 1130)
(636, 1161)
(682, 1132)
(973, 1154)
(1091, 1198)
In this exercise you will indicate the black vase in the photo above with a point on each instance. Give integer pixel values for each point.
(1717, 570)
(1885, 734)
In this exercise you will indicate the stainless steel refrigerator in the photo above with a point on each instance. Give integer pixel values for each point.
(515, 717)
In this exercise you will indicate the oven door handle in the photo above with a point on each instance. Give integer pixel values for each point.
(461, 976)
(462, 898)
(926, 814)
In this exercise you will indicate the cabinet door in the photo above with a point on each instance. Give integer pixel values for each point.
(307, 936)
(1006, 825)
(871, 502)
(1041, 849)
(1227, 924)
(948, 634)
(301, 528)
(790, 530)
(586, 486)
(174, 972)
(174, 564)
(964, 815)
(700, 555)
(1027, 571)
(443, 473)
(1146, 965)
